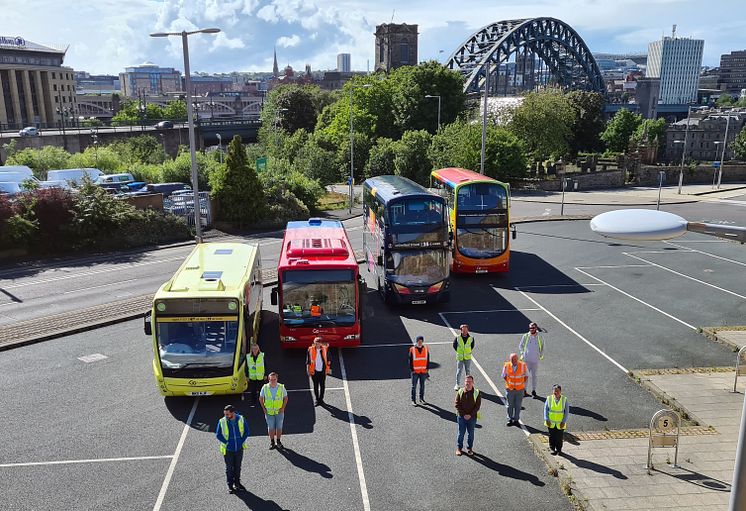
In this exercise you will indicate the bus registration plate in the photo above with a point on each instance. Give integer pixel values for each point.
(418, 302)
(199, 393)
(481, 270)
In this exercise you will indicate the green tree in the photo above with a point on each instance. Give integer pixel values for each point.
(40, 160)
(141, 149)
(620, 129)
(459, 145)
(411, 84)
(739, 146)
(175, 110)
(544, 122)
(381, 159)
(179, 170)
(237, 188)
(317, 163)
(104, 158)
(589, 121)
(362, 145)
(725, 100)
(127, 115)
(412, 160)
(292, 107)
(651, 130)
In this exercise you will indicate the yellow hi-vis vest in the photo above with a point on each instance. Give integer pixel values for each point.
(226, 432)
(463, 349)
(556, 411)
(256, 368)
(273, 405)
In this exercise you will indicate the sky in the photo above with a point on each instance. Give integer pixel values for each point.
(105, 36)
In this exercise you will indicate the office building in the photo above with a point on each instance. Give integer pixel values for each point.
(35, 88)
(396, 46)
(148, 78)
(343, 63)
(676, 61)
(706, 134)
(733, 72)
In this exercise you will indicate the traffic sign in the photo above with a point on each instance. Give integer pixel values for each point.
(261, 164)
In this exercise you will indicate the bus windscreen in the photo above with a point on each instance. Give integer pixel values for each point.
(482, 220)
(482, 197)
(318, 297)
(201, 344)
(416, 211)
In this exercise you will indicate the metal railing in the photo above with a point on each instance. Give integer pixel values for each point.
(182, 205)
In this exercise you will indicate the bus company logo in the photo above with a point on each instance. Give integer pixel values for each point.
(12, 41)
(192, 382)
(316, 331)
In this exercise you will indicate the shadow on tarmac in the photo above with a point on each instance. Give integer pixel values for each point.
(257, 503)
(579, 410)
(343, 415)
(596, 467)
(306, 463)
(702, 480)
(527, 268)
(506, 470)
(440, 412)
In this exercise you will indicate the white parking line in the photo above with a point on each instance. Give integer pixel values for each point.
(73, 462)
(589, 343)
(394, 344)
(175, 459)
(708, 254)
(638, 300)
(684, 275)
(550, 286)
(486, 311)
(484, 373)
(613, 266)
(353, 430)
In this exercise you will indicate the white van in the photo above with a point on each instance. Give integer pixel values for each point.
(15, 169)
(16, 177)
(74, 176)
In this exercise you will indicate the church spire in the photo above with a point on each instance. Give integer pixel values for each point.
(275, 68)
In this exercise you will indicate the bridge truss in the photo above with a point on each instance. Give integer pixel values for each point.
(564, 59)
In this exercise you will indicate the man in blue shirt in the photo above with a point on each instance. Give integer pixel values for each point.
(232, 431)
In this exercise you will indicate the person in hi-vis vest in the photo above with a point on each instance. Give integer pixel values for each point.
(232, 431)
(419, 361)
(317, 366)
(531, 350)
(556, 412)
(255, 372)
(463, 345)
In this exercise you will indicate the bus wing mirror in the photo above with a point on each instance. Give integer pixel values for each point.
(514, 232)
(273, 296)
(147, 323)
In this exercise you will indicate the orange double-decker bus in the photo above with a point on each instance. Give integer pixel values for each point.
(479, 218)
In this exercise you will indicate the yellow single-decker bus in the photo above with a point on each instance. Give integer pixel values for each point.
(203, 321)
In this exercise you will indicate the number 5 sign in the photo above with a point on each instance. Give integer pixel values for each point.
(664, 432)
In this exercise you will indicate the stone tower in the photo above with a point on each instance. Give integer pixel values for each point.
(396, 46)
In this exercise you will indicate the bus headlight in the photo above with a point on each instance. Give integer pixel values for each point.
(352, 337)
(288, 338)
(435, 287)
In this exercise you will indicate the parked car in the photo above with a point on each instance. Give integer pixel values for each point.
(164, 125)
(168, 188)
(16, 169)
(29, 131)
(114, 181)
(73, 176)
(10, 188)
(55, 183)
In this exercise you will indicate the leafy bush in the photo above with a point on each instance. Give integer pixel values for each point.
(237, 188)
(317, 163)
(52, 211)
(180, 169)
(283, 177)
(41, 160)
(283, 206)
(104, 158)
(19, 231)
(381, 159)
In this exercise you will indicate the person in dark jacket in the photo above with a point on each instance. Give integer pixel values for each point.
(468, 401)
(232, 431)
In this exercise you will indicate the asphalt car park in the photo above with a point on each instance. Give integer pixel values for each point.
(86, 432)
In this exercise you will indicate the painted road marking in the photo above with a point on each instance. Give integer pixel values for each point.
(108, 284)
(638, 300)
(613, 266)
(175, 459)
(395, 344)
(94, 357)
(708, 254)
(73, 462)
(481, 370)
(550, 286)
(568, 327)
(488, 311)
(685, 276)
(353, 430)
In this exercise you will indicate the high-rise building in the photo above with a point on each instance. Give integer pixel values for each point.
(396, 46)
(676, 61)
(733, 72)
(344, 63)
(150, 79)
(35, 88)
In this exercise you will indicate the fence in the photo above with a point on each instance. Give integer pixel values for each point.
(182, 205)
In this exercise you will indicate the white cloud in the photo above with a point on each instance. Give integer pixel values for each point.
(268, 13)
(288, 42)
(223, 41)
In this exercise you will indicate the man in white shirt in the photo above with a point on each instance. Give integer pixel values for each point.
(531, 350)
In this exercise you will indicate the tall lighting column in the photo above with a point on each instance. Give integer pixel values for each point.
(190, 119)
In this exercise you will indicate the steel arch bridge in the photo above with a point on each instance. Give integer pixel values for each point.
(568, 60)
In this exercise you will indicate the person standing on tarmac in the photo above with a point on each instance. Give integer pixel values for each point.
(531, 350)
(515, 376)
(274, 398)
(232, 431)
(468, 401)
(556, 412)
(419, 361)
(317, 364)
(463, 345)
(255, 373)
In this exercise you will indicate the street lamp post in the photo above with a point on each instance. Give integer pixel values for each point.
(94, 137)
(190, 119)
(722, 155)
(484, 115)
(431, 96)
(352, 143)
(220, 146)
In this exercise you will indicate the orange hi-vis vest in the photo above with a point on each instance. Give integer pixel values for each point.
(419, 360)
(315, 310)
(312, 359)
(515, 380)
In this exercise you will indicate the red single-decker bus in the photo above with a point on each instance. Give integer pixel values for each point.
(319, 287)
